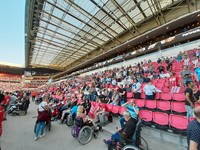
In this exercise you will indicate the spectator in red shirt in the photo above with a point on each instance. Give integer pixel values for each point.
(1, 114)
(5, 103)
(101, 112)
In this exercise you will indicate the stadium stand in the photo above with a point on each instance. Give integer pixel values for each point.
(168, 108)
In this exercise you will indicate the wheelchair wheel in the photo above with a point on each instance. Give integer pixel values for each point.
(22, 113)
(143, 144)
(85, 135)
(130, 147)
(69, 120)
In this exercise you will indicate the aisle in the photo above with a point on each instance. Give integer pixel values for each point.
(18, 135)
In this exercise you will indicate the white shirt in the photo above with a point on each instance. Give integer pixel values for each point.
(137, 87)
(186, 61)
(114, 82)
(150, 89)
(42, 105)
(195, 62)
(164, 75)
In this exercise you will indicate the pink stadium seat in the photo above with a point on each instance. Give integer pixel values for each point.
(115, 109)
(157, 96)
(181, 91)
(151, 104)
(166, 96)
(129, 95)
(166, 89)
(109, 107)
(121, 110)
(197, 104)
(178, 107)
(161, 81)
(154, 81)
(96, 105)
(159, 85)
(143, 96)
(178, 97)
(160, 118)
(140, 102)
(93, 103)
(163, 105)
(178, 121)
(146, 115)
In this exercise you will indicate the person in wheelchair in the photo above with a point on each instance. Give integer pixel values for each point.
(84, 120)
(133, 110)
(101, 112)
(124, 134)
(66, 112)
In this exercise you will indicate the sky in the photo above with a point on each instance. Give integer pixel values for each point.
(12, 15)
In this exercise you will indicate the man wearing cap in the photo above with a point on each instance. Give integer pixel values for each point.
(126, 132)
(193, 132)
(150, 91)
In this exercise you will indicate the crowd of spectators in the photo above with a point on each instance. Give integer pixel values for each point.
(111, 86)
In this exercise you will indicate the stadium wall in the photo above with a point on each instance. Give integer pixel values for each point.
(172, 51)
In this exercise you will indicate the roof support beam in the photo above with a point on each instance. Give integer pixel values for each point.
(64, 36)
(138, 6)
(99, 23)
(75, 17)
(110, 16)
(124, 13)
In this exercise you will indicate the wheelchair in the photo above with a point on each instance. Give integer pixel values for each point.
(136, 143)
(82, 132)
(70, 119)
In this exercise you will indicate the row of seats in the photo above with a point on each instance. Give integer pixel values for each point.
(178, 107)
(160, 118)
(162, 96)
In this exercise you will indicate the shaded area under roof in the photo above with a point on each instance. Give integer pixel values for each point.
(60, 32)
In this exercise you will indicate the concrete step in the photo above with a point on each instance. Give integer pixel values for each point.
(156, 139)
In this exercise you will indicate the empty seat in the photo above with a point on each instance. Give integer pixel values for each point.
(196, 104)
(157, 96)
(129, 95)
(178, 121)
(163, 105)
(178, 107)
(161, 81)
(143, 96)
(159, 86)
(140, 103)
(166, 89)
(166, 96)
(154, 81)
(160, 118)
(115, 109)
(121, 110)
(178, 97)
(151, 104)
(109, 107)
(146, 115)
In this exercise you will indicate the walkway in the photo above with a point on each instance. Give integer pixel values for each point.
(18, 135)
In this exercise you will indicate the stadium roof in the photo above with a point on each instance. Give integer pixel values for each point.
(59, 33)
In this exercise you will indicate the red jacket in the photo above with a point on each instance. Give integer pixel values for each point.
(1, 118)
